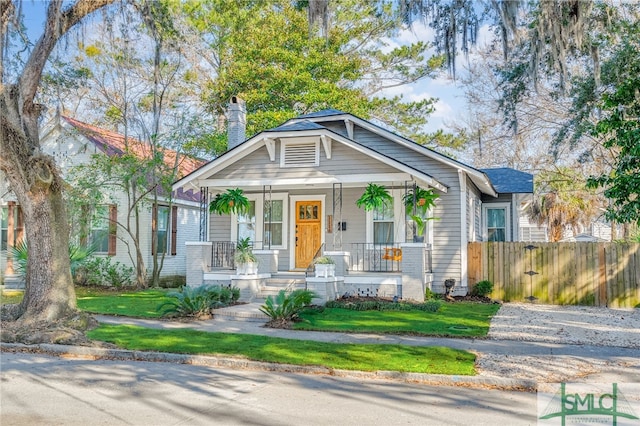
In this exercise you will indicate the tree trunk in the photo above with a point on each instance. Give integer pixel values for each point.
(35, 180)
(33, 176)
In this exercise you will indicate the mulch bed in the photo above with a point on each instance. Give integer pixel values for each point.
(467, 298)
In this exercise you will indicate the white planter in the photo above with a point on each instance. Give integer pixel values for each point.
(325, 270)
(250, 268)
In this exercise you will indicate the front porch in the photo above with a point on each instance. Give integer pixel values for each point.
(385, 270)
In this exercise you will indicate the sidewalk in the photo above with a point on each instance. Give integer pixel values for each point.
(242, 325)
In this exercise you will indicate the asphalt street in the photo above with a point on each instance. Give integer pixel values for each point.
(45, 390)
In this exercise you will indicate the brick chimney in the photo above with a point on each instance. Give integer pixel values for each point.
(237, 122)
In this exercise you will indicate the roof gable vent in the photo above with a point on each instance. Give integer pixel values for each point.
(300, 154)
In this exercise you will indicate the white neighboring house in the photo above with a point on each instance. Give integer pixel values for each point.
(71, 143)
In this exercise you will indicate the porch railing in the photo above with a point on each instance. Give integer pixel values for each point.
(222, 254)
(369, 257)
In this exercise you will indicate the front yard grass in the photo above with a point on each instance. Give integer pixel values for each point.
(11, 296)
(431, 360)
(459, 319)
(140, 304)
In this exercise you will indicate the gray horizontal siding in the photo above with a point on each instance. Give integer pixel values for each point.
(344, 161)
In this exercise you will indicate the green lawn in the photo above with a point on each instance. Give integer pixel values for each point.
(141, 304)
(10, 296)
(432, 360)
(460, 319)
(131, 303)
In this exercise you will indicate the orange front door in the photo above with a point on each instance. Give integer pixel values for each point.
(308, 237)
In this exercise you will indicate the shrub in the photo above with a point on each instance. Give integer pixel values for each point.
(101, 271)
(430, 305)
(429, 294)
(78, 256)
(482, 288)
(286, 307)
(383, 305)
(198, 301)
(323, 260)
(188, 302)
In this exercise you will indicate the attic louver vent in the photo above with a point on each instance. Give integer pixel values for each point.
(300, 154)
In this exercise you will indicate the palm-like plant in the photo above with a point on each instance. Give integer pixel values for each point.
(286, 307)
(198, 301)
(566, 203)
(188, 302)
(244, 252)
(78, 254)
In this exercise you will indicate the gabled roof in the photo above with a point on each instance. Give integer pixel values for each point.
(112, 143)
(115, 144)
(297, 126)
(289, 129)
(478, 177)
(507, 180)
(323, 113)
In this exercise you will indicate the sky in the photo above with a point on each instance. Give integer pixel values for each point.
(451, 105)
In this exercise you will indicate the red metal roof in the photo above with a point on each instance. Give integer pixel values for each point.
(112, 143)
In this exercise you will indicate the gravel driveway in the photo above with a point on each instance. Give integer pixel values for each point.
(577, 325)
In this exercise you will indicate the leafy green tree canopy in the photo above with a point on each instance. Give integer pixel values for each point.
(263, 52)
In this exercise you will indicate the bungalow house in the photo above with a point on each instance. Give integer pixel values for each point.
(303, 179)
(72, 142)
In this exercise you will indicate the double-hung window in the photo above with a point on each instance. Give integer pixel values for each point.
(383, 225)
(246, 227)
(274, 223)
(165, 226)
(162, 229)
(4, 227)
(268, 231)
(496, 218)
(99, 229)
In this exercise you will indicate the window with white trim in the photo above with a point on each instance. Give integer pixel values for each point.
(268, 233)
(274, 223)
(387, 225)
(496, 222)
(246, 223)
(162, 242)
(383, 225)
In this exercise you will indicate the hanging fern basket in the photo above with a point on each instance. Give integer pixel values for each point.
(375, 197)
(230, 201)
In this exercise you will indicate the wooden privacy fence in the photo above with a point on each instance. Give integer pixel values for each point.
(595, 274)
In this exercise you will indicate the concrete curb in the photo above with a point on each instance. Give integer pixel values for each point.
(245, 364)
